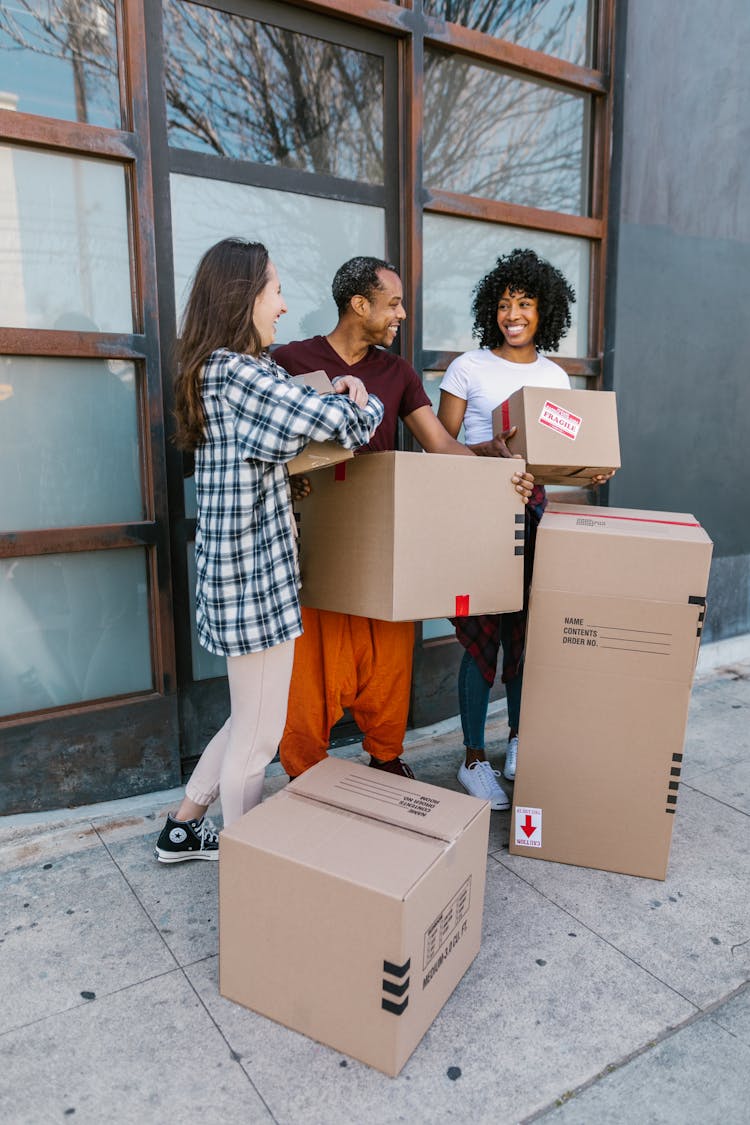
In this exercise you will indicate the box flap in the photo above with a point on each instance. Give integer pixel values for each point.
(332, 841)
(316, 380)
(317, 454)
(426, 809)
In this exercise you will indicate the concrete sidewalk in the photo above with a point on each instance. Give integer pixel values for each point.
(595, 999)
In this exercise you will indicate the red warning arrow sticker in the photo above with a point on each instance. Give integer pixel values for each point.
(528, 827)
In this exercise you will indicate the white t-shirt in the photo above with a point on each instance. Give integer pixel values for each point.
(485, 380)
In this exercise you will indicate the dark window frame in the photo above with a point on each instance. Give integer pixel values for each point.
(204, 703)
(140, 147)
(129, 148)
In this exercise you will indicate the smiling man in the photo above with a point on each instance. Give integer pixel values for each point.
(369, 299)
(343, 661)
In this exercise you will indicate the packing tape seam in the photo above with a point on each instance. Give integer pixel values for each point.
(630, 519)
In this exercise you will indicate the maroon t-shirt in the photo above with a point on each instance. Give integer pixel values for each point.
(384, 374)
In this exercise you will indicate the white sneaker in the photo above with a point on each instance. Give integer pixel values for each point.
(511, 756)
(479, 780)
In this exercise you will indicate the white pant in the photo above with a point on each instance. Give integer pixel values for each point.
(234, 762)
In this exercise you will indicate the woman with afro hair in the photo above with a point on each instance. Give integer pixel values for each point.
(520, 308)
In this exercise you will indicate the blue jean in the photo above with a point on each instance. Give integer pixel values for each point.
(474, 698)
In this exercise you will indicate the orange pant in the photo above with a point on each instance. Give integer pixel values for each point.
(344, 661)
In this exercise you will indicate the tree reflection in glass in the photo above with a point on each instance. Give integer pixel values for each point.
(245, 89)
(490, 134)
(472, 248)
(58, 58)
(556, 27)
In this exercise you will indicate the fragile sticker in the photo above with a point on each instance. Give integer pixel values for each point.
(561, 420)
(528, 827)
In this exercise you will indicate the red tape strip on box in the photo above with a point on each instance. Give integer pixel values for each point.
(505, 409)
(462, 605)
(339, 471)
(629, 519)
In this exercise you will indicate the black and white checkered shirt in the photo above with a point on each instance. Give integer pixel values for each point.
(245, 547)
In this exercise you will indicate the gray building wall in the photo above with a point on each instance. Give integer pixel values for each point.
(678, 299)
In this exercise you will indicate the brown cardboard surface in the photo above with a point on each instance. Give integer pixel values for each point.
(595, 783)
(394, 536)
(659, 556)
(347, 928)
(615, 615)
(565, 436)
(317, 454)
(615, 636)
(307, 833)
(428, 809)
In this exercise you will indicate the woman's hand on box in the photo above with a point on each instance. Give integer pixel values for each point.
(523, 484)
(602, 478)
(497, 447)
(300, 487)
(354, 387)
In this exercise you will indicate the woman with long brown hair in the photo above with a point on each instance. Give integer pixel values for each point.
(242, 417)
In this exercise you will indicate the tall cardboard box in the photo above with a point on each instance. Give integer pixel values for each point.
(615, 616)
(350, 906)
(565, 436)
(410, 536)
(317, 454)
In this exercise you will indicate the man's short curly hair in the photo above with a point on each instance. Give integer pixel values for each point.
(357, 278)
(523, 271)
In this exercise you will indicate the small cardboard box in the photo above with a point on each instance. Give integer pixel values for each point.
(565, 436)
(350, 906)
(318, 454)
(411, 536)
(615, 616)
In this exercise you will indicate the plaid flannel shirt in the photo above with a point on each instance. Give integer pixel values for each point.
(245, 543)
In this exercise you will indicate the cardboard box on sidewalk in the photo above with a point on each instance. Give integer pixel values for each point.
(318, 454)
(565, 436)
(615, 616)
(410, 536)
(351, 905)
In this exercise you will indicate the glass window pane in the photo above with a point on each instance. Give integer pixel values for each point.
(64, 250)
(437, 627)
(191, 503)
(556, 27)
(490, 134)
(431, 383)
(58, 58)
(68, 443)
(472, 248)
(246, 89)
(75, 628)
(206, 665)
(308, 239)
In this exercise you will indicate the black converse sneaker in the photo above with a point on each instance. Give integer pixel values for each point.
(187, 839)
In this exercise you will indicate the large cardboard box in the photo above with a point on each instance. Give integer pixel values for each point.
(615, 617)
(350, 906)
(565, 436)
(411, 536)
(317, 454)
